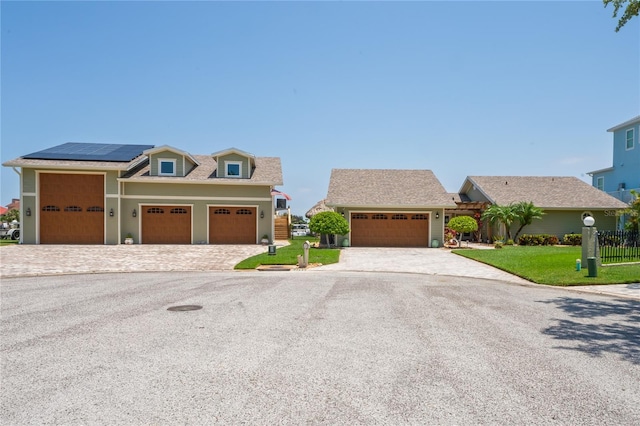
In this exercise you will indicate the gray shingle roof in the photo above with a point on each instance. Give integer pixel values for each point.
(551, 192)
(319, 207)
(386, 188)
(268, 171)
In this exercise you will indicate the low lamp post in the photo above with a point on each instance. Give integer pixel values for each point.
(590, 239)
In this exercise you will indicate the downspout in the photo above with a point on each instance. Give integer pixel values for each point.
(273, 217)
(119, 211)
(21, 206)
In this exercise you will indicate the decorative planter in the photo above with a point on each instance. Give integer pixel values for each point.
(128, 240)
(264, 241)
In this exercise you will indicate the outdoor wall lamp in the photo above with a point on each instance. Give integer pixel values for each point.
(111, 212)
(437, 215)
(261, 214)
(134, 213)
(28, 212)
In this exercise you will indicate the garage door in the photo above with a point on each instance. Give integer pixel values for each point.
(232, 225)
(166, 225)
(71, 208)
(389, 230)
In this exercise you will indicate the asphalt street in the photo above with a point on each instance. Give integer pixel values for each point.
(333, 347)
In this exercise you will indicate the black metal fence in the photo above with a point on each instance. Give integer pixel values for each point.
(619, 246)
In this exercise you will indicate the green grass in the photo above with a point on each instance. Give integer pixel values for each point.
(8, 242)
(552, 265)
(288, 255)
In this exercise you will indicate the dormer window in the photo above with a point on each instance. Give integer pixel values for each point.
(233, 169)
(166, 167)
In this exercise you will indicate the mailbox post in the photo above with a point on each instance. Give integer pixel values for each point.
(305, 254)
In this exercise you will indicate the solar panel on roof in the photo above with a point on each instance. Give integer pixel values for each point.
(90, 152)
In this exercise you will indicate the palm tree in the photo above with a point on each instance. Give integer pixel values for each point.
(525, 213)
(504, 215)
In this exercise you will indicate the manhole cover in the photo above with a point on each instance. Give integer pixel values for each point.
(185, 308)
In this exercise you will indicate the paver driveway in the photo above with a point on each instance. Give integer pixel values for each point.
(416, 260)
(29, 260)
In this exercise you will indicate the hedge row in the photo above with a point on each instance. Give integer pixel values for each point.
(538, 240)
(572, 239)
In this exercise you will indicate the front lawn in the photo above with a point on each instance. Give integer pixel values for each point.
(8, 242)
(554, 265)
(288, 255)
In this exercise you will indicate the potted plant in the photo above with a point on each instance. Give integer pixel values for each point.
(265, 239)
(128, 239)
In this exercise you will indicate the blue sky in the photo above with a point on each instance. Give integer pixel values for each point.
(460, 88)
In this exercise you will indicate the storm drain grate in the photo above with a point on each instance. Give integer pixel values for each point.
(185, 308)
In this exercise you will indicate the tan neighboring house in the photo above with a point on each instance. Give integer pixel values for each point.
(81, 193)
(390, 208)
(565, 200)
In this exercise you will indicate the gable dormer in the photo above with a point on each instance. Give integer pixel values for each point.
(234, 163)
(166, 161)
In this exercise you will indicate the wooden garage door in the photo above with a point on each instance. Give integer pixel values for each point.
(166, 225)
(71, 208)
(389, 230)
(232, 225)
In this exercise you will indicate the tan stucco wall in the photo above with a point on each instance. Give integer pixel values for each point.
(28, 180)
(28, 224)
(194, 190)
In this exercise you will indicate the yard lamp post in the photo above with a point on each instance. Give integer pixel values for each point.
(590, 240)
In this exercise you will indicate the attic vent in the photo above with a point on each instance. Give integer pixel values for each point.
(506, 183)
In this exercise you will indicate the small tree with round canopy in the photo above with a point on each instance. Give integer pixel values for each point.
(329, 223)
(463, 224)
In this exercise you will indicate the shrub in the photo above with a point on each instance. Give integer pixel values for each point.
(538, 240)
(572, 239)
(498, 244)
(509, 242)
(551, 240)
